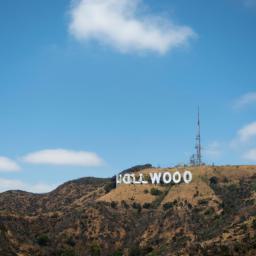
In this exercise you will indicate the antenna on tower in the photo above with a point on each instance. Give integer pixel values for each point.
(198, 141)
(196, 158)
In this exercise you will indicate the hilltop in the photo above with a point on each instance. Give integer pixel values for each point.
(213, 215)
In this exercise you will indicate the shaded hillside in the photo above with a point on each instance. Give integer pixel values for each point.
(213, 215)
(70, 193)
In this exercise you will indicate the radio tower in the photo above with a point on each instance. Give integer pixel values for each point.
(198, 158)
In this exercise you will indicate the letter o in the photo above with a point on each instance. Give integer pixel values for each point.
(127, 179)
(168, 179)
(176, 177)
(187, 177)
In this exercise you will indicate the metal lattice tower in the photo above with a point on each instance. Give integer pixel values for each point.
(198, 156)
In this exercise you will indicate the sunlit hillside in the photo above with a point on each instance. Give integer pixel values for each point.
(215, 214)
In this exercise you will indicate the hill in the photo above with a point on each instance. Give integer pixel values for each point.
(213, 215)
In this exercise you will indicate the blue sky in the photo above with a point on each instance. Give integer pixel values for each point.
(82, 96)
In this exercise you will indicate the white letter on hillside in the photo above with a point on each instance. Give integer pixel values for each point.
(155, 177)
(118, 179)
(127, 179)
(176, 177)
(167, 177)
(187, 176)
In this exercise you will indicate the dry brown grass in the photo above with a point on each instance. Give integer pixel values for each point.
(199, 185)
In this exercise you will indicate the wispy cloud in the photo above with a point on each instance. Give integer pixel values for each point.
(249, 3)
(63, 157)
(250, 155)
(118, 23)
(244, 142)
(244, 136)
(11, 184)
(247, 132)
(8, 165)
(245, 100)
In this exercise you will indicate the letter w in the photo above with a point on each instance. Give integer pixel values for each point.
(155, 177)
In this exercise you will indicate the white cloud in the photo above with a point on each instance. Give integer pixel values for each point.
(245, 100)
(8, 165)
(244, 136)
(63, 157)
(9, 184)
(247, 132)
(250, 3)
(118, 24)
(213, 150)
(250, 155)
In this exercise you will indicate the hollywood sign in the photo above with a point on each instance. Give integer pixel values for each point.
(154, 178)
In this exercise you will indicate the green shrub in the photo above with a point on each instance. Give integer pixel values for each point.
(155, 192)
(213, 181)
(152, 254)
(71, 241)
(117, 253)
(209, 211)
(137, 206)
(253, 186)
(124, 204)
(109, 186)
(114, 204)
(175, 202)
(135, 251)
(254, 224)
(225, 180)
(203, 202)
(146, 205)
(167, 206)
(95, 250)
(68, 252)
(43, 240)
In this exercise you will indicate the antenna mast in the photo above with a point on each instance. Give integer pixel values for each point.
(198, 160)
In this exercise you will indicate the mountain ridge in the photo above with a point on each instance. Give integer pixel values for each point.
(214, 214)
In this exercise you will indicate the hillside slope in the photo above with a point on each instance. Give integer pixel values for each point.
(213, 215)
